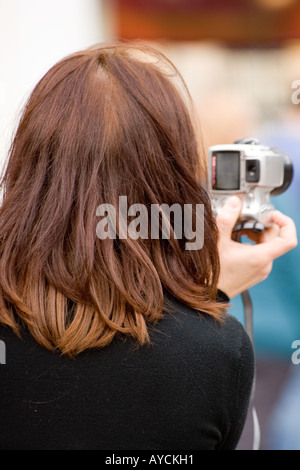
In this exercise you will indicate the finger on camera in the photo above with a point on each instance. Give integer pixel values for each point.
(286, 225)
(280, 245)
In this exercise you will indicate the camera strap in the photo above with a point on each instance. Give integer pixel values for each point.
(248, 315)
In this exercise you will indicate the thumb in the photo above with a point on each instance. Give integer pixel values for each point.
(229, 215)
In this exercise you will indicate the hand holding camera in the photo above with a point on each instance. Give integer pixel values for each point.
(242, 177)
(243, 265)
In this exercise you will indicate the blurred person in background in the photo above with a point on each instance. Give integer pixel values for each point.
(116, 342)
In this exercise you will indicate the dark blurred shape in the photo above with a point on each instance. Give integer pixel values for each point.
(237, 23)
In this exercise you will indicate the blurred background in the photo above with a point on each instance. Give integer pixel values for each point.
(241, 62)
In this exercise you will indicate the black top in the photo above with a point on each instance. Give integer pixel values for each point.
(189, 390)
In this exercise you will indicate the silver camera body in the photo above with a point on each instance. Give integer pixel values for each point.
(252, 171)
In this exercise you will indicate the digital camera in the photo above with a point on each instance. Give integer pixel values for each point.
(252, 171)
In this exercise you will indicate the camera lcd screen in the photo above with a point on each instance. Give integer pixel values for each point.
(226, 170)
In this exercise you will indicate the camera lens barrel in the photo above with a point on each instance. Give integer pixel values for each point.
(287, 178)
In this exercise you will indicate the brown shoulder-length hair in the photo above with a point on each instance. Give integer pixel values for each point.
(103, 122)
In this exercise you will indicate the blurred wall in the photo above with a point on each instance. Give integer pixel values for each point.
(34, 35)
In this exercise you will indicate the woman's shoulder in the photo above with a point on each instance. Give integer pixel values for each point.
(193, 328)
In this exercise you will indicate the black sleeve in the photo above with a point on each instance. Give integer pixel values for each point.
(221, 296)
(242, 393)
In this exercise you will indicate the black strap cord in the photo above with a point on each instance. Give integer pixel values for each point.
(248, 316)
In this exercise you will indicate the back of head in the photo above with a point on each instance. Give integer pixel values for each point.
(102, 123)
